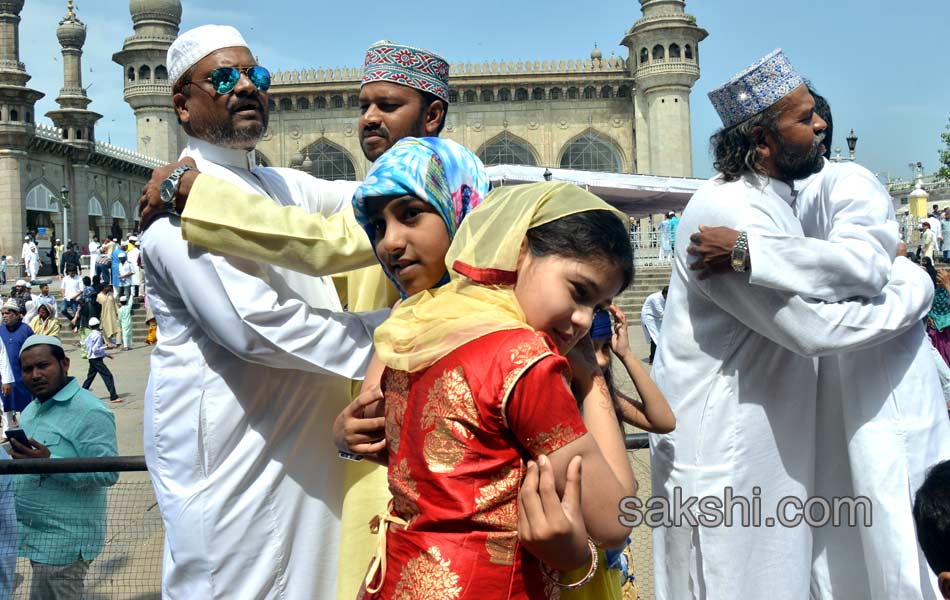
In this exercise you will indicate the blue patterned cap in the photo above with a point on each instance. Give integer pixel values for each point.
(755, 89)
(405, 65)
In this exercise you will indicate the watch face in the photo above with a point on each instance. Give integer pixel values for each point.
(167, 191)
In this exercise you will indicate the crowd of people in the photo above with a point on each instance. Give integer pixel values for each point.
(404, 387)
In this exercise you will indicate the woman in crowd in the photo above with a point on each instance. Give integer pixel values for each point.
(938, 324)
(45, 323)
(475, 389)
(109, 315)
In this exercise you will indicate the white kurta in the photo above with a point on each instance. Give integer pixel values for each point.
(892, 412)
(133, 258)
(743, 387)
(249, 371)
(651, 317)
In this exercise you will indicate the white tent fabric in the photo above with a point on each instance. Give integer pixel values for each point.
(636, 195)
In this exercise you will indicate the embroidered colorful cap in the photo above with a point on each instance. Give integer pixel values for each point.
(756, 88)
(413, 67)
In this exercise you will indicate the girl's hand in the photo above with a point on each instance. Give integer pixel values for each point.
(620, 341)
(943, 278)
(355, 432)
(552, 528)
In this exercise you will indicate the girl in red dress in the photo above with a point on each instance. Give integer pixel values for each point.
(477, 389)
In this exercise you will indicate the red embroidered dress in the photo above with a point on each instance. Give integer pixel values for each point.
(459, 434)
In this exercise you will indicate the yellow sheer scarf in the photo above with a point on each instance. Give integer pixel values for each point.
(482, 262)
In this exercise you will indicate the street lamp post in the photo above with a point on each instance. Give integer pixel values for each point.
(852, 144)
(64, 200)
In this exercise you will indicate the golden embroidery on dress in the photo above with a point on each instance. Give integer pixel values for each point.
(450, 415)
(405, 493)
(523, 355)
(428, 577)
(501, 547)
(396, 396)
(549, 441)
(503, 487)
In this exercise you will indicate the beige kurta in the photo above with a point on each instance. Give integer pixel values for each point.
(109, 318)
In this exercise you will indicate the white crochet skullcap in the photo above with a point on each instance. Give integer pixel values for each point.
(197, 43)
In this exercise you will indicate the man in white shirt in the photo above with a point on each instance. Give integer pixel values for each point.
(251, 365)
(72, 292)
(928, 241)
(134, 255)
(741, 377)
(93, 254)
(651, 318)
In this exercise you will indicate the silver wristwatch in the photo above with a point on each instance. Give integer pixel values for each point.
(740, 252)
(169, 187)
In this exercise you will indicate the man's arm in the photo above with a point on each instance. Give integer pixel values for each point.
(854, 262)
(251, 319)
(815, 328)
(93, 437)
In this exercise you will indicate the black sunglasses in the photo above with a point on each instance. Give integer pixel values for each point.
(224, 79)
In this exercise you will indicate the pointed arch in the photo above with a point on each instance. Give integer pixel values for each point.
(161, 73)
(675, 51)
(659, 52)
(42, 199)
(592, 151)
(118, 211)
(95, 207)
(330, 161)
(507, 149)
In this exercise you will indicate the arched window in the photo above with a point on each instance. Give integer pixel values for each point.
(95, 207)
(271, 105)
(606, 92)
(487, 96)
(42, 199)
(659, 53)
(118, 211)
(572, 93)
(590, 92)
(79, 134)
(537, 94)
(161, 73)
(504, 95)
(591, 152)
(470, 96)
(623, 91)
(521, 95)
(131, 73)
(354, 101)
(321, 102)
(644, 55)
(303, 104)
(336, 101)
(453, 96)
(286, 104)
(14, 115)
(688, 52)
(675, 51)
(330, 161)
(145, 72)
(555, 93)
(507, 149)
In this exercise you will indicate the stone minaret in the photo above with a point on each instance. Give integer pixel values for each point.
(147, 88)
(664, 62)
(77, 122)
(16, 125)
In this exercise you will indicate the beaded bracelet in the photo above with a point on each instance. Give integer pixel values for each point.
(585, 579)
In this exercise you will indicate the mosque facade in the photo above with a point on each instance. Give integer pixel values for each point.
(627, 114)
(44, 167)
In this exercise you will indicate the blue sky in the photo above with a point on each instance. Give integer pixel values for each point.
(882, 68)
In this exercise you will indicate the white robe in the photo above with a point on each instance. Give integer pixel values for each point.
(651, 317)
(133, 258)
(742, 381)
(250, 369)
(883, 405)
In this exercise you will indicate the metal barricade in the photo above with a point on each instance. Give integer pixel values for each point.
(125, 526)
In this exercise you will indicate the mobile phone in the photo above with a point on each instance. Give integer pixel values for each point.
(18, 435)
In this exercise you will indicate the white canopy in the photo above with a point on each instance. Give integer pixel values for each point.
(636, 195)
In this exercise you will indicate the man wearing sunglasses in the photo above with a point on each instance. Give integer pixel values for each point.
(253, 362)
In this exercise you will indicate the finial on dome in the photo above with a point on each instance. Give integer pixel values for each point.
(70, 12)
(596, 54)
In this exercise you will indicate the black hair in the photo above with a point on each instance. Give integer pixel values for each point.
(427, 99)
(86, 281)
(824, 111)
(592, 234)
(928, 264)
(734, 148)
(932, 517)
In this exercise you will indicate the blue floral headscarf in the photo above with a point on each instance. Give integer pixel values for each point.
(445, 174)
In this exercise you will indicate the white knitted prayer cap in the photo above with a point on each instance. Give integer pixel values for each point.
(197, 43)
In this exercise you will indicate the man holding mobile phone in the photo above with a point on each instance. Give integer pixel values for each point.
(62, 516)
